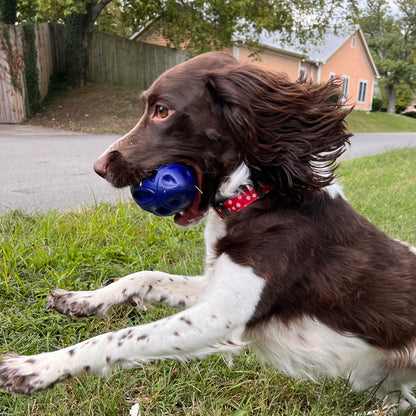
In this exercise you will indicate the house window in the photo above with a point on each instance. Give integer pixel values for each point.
(302, 72)
(353, 42)
(345, 86)
(362, 91)
(331, 75)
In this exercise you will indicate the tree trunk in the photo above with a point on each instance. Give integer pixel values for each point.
(391, 98)
(78, 39)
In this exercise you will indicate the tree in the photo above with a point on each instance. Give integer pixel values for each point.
(209, 25)
(112, 21)
(79, 17)
(201, 24)
(79, 29)
(392, 41)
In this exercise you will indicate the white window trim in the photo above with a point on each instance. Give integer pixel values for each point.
(332, 75)
(364, 81)
(302, 69)
(236, 52)
(345, 90)
(353, 41)
(319, 71)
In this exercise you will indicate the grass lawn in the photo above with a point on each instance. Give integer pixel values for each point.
(81, 249)
(364, 122)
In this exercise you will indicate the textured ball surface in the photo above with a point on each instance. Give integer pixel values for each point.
(170, 189)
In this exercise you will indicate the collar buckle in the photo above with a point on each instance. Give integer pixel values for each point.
(222, 209)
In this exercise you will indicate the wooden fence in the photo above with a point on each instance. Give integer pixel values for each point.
(12, 92)
(13, 89)
(57, 34)
(130, 63)
(112, 60)
(45, 60)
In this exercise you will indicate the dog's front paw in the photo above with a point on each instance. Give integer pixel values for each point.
(74, 303)
(24, 375)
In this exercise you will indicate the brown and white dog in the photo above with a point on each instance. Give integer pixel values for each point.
(297, 275)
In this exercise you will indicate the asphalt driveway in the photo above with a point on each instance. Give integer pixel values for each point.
(42, 169)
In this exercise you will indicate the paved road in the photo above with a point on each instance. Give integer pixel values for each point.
(42, 169)
(367, 144)
(45, 168)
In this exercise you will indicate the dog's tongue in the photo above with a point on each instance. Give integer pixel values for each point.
(191, 215)
(187, 218)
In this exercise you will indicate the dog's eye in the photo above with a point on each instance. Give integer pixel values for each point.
(161, 111)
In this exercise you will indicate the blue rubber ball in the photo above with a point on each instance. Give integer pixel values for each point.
(169, 190)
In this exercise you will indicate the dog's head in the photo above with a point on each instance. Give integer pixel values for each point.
(215, 114)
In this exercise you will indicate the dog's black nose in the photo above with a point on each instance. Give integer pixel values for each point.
(101, 166)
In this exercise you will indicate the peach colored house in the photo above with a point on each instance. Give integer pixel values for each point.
(345, 55)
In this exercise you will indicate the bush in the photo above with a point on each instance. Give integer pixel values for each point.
(411, 114)
(376, 104)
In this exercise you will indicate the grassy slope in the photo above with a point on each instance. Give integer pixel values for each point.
(94, 109)
(81, 249)
(115, 110)
(363, 122)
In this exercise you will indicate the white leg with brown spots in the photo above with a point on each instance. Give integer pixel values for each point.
(215, 323)
(134, 289)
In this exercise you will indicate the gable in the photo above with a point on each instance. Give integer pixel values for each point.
(349, 59)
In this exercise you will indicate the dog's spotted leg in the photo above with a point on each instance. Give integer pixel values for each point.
(135, 289)
(216, 323)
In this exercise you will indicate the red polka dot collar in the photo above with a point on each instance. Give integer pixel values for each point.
(247, 195)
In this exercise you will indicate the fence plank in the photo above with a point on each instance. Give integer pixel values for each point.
(45, 61)
(57, 37)
(125, 62)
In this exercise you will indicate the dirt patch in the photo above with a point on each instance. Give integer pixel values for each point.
(100, 109)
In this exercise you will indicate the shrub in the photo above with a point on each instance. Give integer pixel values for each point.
(376, 104)
(411, 114)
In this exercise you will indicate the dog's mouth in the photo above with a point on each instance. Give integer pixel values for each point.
(172, 190)
(126, 176)
(193, 213)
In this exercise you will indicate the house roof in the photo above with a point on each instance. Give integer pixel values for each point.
(315, 53)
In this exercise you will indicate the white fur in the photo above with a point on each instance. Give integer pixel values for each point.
(306, 348)
(240, 177)
(335, 190)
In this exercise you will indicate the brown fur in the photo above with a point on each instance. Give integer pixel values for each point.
(322, 259)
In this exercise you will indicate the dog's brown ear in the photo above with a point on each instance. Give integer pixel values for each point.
(289, 133)
(228, 103)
